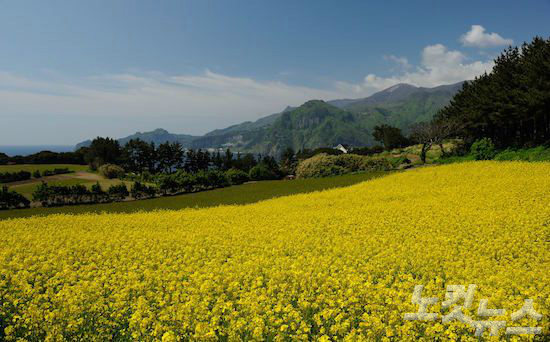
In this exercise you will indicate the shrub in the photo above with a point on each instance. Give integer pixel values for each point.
(168, 183)
(539, 153)
(12, 200)
(398, 161)
(236, 176)
(483, 149)
(118, 192)
(186, 181)
(350, 162)
(36, 174)
(53, 172)
(140, 190)
(8, 177)
(376, 164)
(321, 165)
(98, 195)
(367, 151)
(262, 172)
(111, 171)
(216, 179)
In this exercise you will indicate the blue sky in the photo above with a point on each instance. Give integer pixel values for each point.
(70, 70)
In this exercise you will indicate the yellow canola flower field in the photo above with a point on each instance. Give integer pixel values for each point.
(332, 265)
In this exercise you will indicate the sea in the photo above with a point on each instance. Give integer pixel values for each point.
(30, 149)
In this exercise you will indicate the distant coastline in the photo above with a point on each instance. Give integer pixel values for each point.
(12, 150)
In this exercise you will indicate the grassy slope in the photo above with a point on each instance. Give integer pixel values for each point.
(41, 167)
(242, 194)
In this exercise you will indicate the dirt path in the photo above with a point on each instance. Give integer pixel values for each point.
(87, 176)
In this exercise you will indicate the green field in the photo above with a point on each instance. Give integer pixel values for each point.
(42, 167)
(27, 189)
(241, 194)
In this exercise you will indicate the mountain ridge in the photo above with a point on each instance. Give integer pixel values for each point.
(318, 123)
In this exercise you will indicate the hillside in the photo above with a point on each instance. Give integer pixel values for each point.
(315, 123)
(318, 123)
(403, 104)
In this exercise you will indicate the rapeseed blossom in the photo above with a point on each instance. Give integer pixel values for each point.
(333, 265)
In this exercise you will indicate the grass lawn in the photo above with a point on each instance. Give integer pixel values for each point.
(241, 194)
(42, 167)
(27, 189)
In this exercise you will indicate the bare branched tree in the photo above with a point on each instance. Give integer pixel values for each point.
(433, 133)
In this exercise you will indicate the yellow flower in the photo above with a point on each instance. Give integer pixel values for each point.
(333, 265)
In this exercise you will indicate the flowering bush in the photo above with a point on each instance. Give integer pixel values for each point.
(111, 171)
(332, 265)
(324, 165)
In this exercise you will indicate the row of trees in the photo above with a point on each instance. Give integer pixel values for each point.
(138, 156)
(12, 200)
(46, 157)
(8, 177)
(164, 184)
(511, 104)
(58, 195)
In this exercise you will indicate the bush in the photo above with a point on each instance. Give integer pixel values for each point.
(8, 177)
(111, 171)
(216, 179)
(262, 172)
(53, 172)
(350, 162)
(168, 183)
(483, 149)
(140, 191)
(321, 165)
(376, 164)
(12, 200)
(36, 174)
(398, 161)
(236, 176)
(539, 153)
(98, 195)
(118, 192)
(367, 151)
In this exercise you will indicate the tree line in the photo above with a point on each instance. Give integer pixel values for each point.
(17, 176)
(138, 157)
(12, 200)
(510, 105)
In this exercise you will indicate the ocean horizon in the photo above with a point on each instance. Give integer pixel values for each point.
(25, 150)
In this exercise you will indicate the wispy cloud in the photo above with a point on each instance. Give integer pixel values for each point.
(119, 104)
(199, 102)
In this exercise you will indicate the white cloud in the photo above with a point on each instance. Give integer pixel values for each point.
(438, 66)
(477, 37)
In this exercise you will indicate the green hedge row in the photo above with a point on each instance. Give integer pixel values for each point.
(8, 177)
(12, 199)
